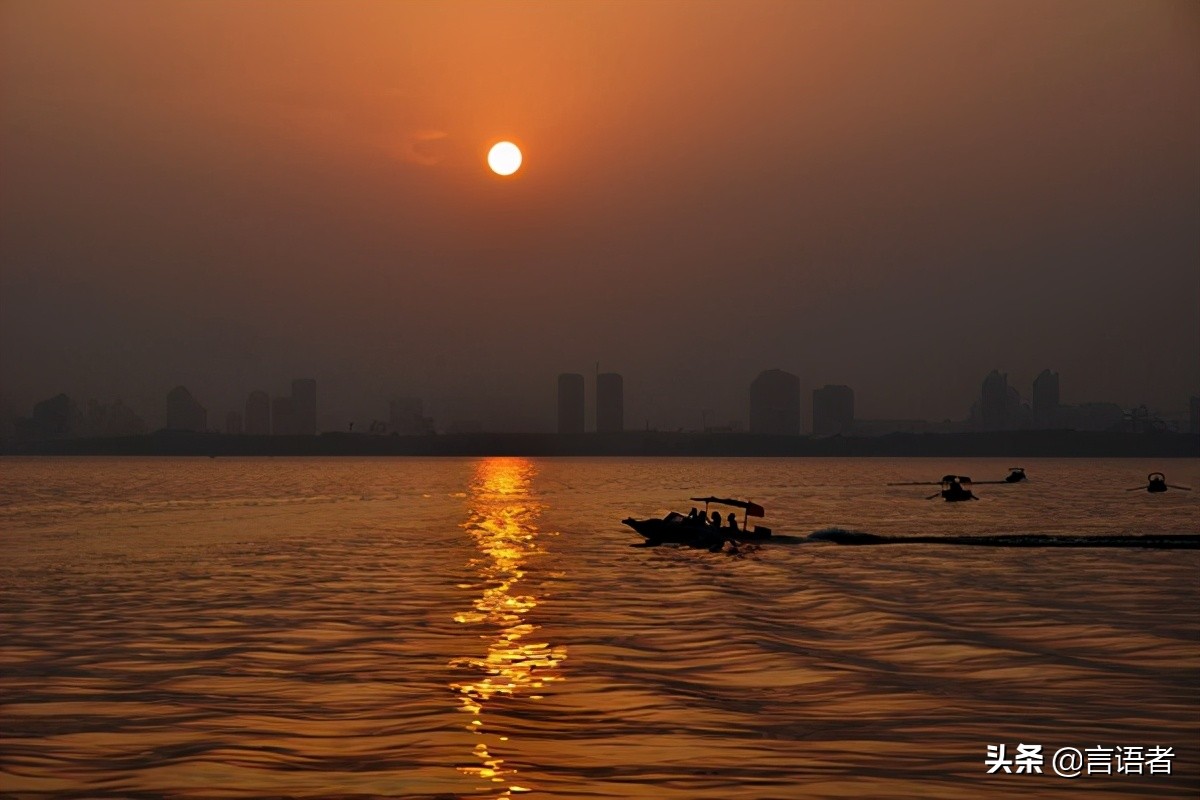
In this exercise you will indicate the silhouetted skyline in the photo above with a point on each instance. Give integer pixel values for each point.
(892, 197)
(773, 403)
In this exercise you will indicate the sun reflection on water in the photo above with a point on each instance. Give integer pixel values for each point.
(503, 523)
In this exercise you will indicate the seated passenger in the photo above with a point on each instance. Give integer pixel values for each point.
(733, 526)
(716, 519)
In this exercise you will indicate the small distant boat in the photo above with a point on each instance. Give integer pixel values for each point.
(954, 489)
(958, 487)
(679, 528)
(1015, 475)
(1157, 482)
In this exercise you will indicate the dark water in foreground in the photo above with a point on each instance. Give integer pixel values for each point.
(481, 628)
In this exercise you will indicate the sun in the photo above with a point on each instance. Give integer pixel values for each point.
(504, 158)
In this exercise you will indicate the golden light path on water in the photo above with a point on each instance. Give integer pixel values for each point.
(377, 628)
(503, 524)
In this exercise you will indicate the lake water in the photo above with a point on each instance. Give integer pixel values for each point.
(450, 628)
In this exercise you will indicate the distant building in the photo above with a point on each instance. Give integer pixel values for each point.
(54, 418)
(304, 407)
(110, 419)
(233, 423)
(121, 420)
(1194, 415)
(833, 410)
(1017, 415)
(407, 417)
(184, 413)
(283, 419)
(570, 403)
(994, 402)
(775, 403)
(258, 414)
(610, 403)
(1045, 400)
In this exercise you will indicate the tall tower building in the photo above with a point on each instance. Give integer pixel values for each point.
(993, 404)
(610, 403)
(570, 403)
(184, 413)
(775, 403)
(304, 407)
(258, 414)
(1045, 399)
(833, 410)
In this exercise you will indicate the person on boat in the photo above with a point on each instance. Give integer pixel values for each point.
(716, 519)
(733, 526)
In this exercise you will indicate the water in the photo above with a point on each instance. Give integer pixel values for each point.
(451, 628)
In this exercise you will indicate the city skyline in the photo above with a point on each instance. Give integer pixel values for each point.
(774, 406)
(865, 201)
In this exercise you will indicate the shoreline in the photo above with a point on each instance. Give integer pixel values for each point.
(631, 444)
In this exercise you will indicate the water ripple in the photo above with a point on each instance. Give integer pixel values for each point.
(481, 628)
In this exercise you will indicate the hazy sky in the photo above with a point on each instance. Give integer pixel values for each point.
(900, 196)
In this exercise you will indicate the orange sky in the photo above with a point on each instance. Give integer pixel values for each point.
(226, 195)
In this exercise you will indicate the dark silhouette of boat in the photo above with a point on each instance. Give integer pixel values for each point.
(958, 487)
(695, 529)
(1157, 482)
(1015, 475)
(954, 489)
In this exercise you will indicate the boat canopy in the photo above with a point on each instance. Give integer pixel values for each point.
(752, 509)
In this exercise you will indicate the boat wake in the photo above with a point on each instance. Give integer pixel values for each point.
(1188, 541)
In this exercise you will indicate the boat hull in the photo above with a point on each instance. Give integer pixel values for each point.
(681, 532)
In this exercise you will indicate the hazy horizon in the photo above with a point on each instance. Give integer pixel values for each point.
(897, 197)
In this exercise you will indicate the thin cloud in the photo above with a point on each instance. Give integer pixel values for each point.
(425, 147)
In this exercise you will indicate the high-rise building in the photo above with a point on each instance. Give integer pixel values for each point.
(55, 417)
(570, 403)
(304, 407)
(775, 403)
(993, 404)
(833, 410)
(610, 403)
(283, 418)
(184, 413)
(258, 414)
(1045, 399)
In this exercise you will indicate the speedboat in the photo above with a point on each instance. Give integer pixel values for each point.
(1015, 475)
(695, 529)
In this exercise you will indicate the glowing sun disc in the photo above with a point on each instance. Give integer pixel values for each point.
(504, 158)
